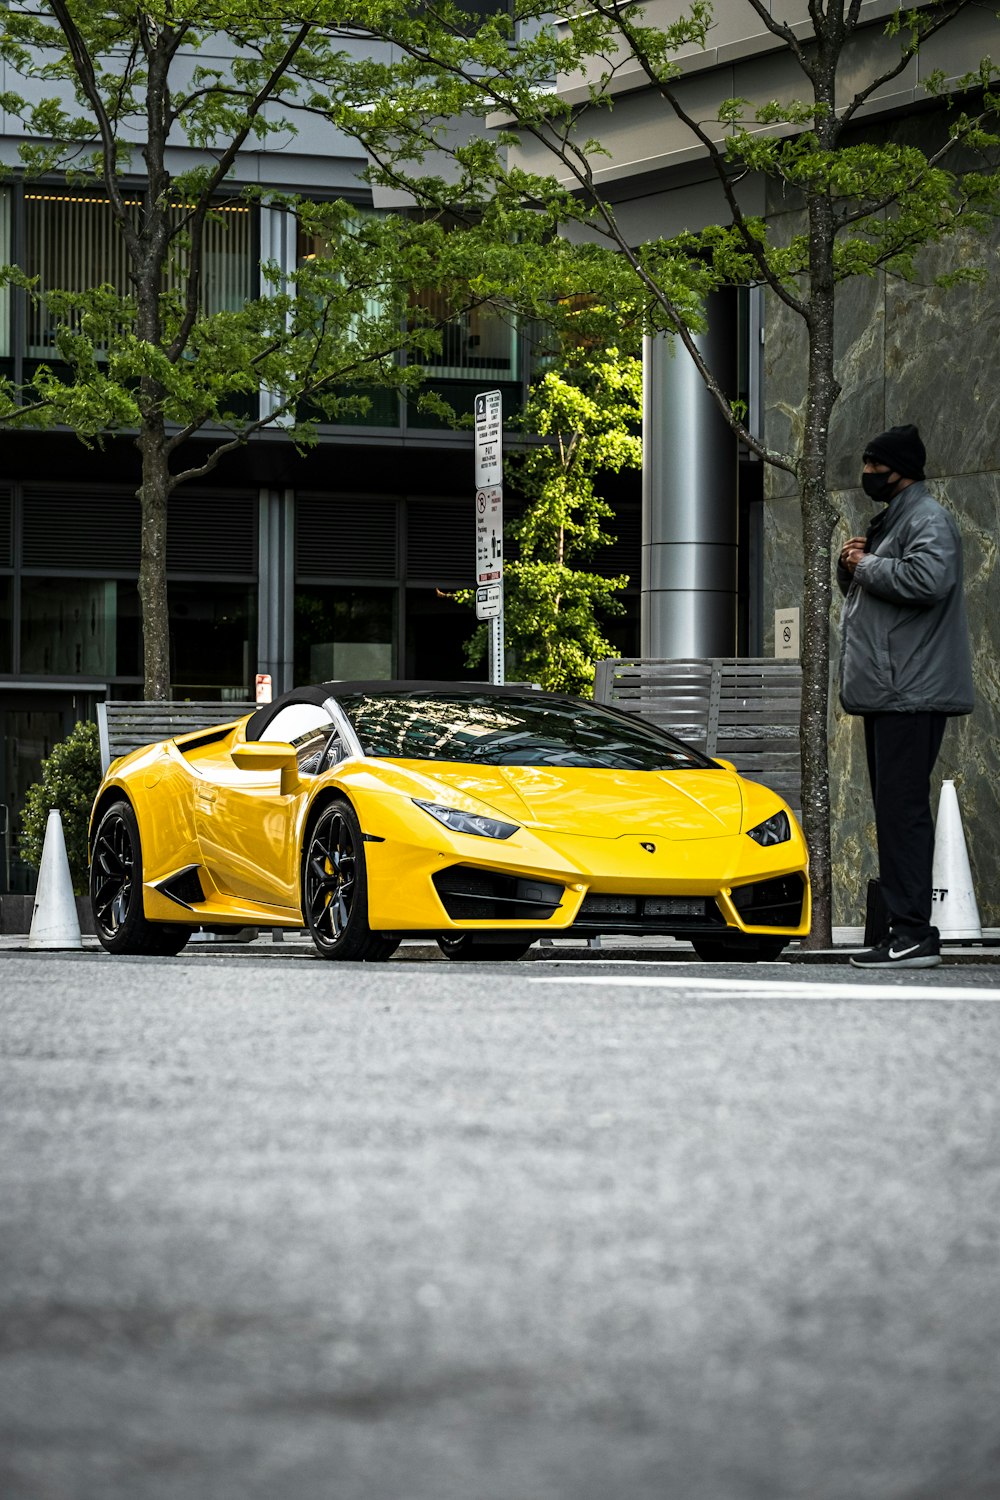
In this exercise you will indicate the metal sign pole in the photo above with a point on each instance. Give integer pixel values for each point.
(496, 648)
(489, 524)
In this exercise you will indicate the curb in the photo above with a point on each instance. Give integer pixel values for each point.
(300, 947)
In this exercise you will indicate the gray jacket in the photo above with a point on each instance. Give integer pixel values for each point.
(904, 635)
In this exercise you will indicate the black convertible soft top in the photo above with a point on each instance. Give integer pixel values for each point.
(320, 691)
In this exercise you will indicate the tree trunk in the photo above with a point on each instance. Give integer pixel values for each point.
(153, 494)
(817, 526)
(818, 518)
(147, 274)
(818, 521)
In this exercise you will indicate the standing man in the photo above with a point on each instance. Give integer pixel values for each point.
(905, 668)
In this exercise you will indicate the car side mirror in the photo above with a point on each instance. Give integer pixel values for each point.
(269, 755)
(726, 765)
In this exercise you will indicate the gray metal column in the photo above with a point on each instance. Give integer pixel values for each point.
(276, 588)
(278, 229)
(690, 523)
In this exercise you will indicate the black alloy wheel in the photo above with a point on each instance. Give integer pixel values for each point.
(335, 890)
(466, 947)
(116, 890)
(739, 950)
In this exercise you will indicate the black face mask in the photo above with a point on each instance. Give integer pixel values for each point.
(878, 487)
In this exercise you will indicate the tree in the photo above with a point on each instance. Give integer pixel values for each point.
(70, 778)
(587, 417)
(152, 352)
(869, 204)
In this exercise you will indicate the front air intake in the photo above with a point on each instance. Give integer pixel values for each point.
(771, 903)
(469, 894)
(662, 916)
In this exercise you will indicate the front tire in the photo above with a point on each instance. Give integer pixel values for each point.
(463, 947)
(335, 890)
(116, 890)
(739, 950)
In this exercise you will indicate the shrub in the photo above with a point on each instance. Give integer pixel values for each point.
(70, 778)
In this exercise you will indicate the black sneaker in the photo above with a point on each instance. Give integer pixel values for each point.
(901, 953)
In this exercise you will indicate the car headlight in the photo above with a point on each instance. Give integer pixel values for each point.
(774, 830)
(464, 822)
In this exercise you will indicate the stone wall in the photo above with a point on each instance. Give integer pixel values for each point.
(907, 352)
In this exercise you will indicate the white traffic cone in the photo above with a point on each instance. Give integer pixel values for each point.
(54, 922)
(954, 911)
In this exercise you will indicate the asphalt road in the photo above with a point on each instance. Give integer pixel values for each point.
(287, 1230)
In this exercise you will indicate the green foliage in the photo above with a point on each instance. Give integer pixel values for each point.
(70, 778)
(586, 416)
(106, 93)
(872, 204)
(152, 352)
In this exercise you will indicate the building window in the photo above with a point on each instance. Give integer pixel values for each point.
(92, 627)
(5, 206)
(77, 627)
(476, 343)
(370, 404)
(346, 633)
(311, 246)
(479, 343)
(6, 644)
(437, 631)
(69, 627)
(73, 244)
(213, 639)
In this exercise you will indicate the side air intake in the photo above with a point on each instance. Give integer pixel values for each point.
(184, 887)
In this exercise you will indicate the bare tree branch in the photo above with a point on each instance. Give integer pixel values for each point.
(717, 158)
(784, 31)
(908, 53)
(84, 65)
(197, 218)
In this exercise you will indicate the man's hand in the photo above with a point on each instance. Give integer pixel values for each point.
(852, 552)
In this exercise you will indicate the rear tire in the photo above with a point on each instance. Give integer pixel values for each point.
(739, 950)
(464, 947)
(335, 890)
(116, 890)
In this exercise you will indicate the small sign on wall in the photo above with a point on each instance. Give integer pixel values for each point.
(786, 632)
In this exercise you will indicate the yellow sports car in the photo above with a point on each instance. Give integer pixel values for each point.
(483, 817)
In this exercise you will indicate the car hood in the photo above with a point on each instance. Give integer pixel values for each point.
(692, 804)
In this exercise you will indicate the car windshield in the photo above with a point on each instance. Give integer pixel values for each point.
(511, 730)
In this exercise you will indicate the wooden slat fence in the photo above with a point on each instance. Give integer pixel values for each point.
(126, 725)
(745, 709)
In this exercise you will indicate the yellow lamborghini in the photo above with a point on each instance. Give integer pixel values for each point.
(483, 817)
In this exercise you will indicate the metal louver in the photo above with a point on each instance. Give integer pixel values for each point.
(6, 528)
(92, 529)
(625, 553)
(339, 536)
(86, 528)
(213, 532)
(441, 542)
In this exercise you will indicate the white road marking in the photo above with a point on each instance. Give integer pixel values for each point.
(805, 989)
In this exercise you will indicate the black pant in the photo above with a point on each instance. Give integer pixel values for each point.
(902, 749)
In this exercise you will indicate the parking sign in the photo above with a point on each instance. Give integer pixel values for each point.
(489, 439)
(489, 536)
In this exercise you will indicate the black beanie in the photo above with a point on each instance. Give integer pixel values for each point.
(901, 449)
